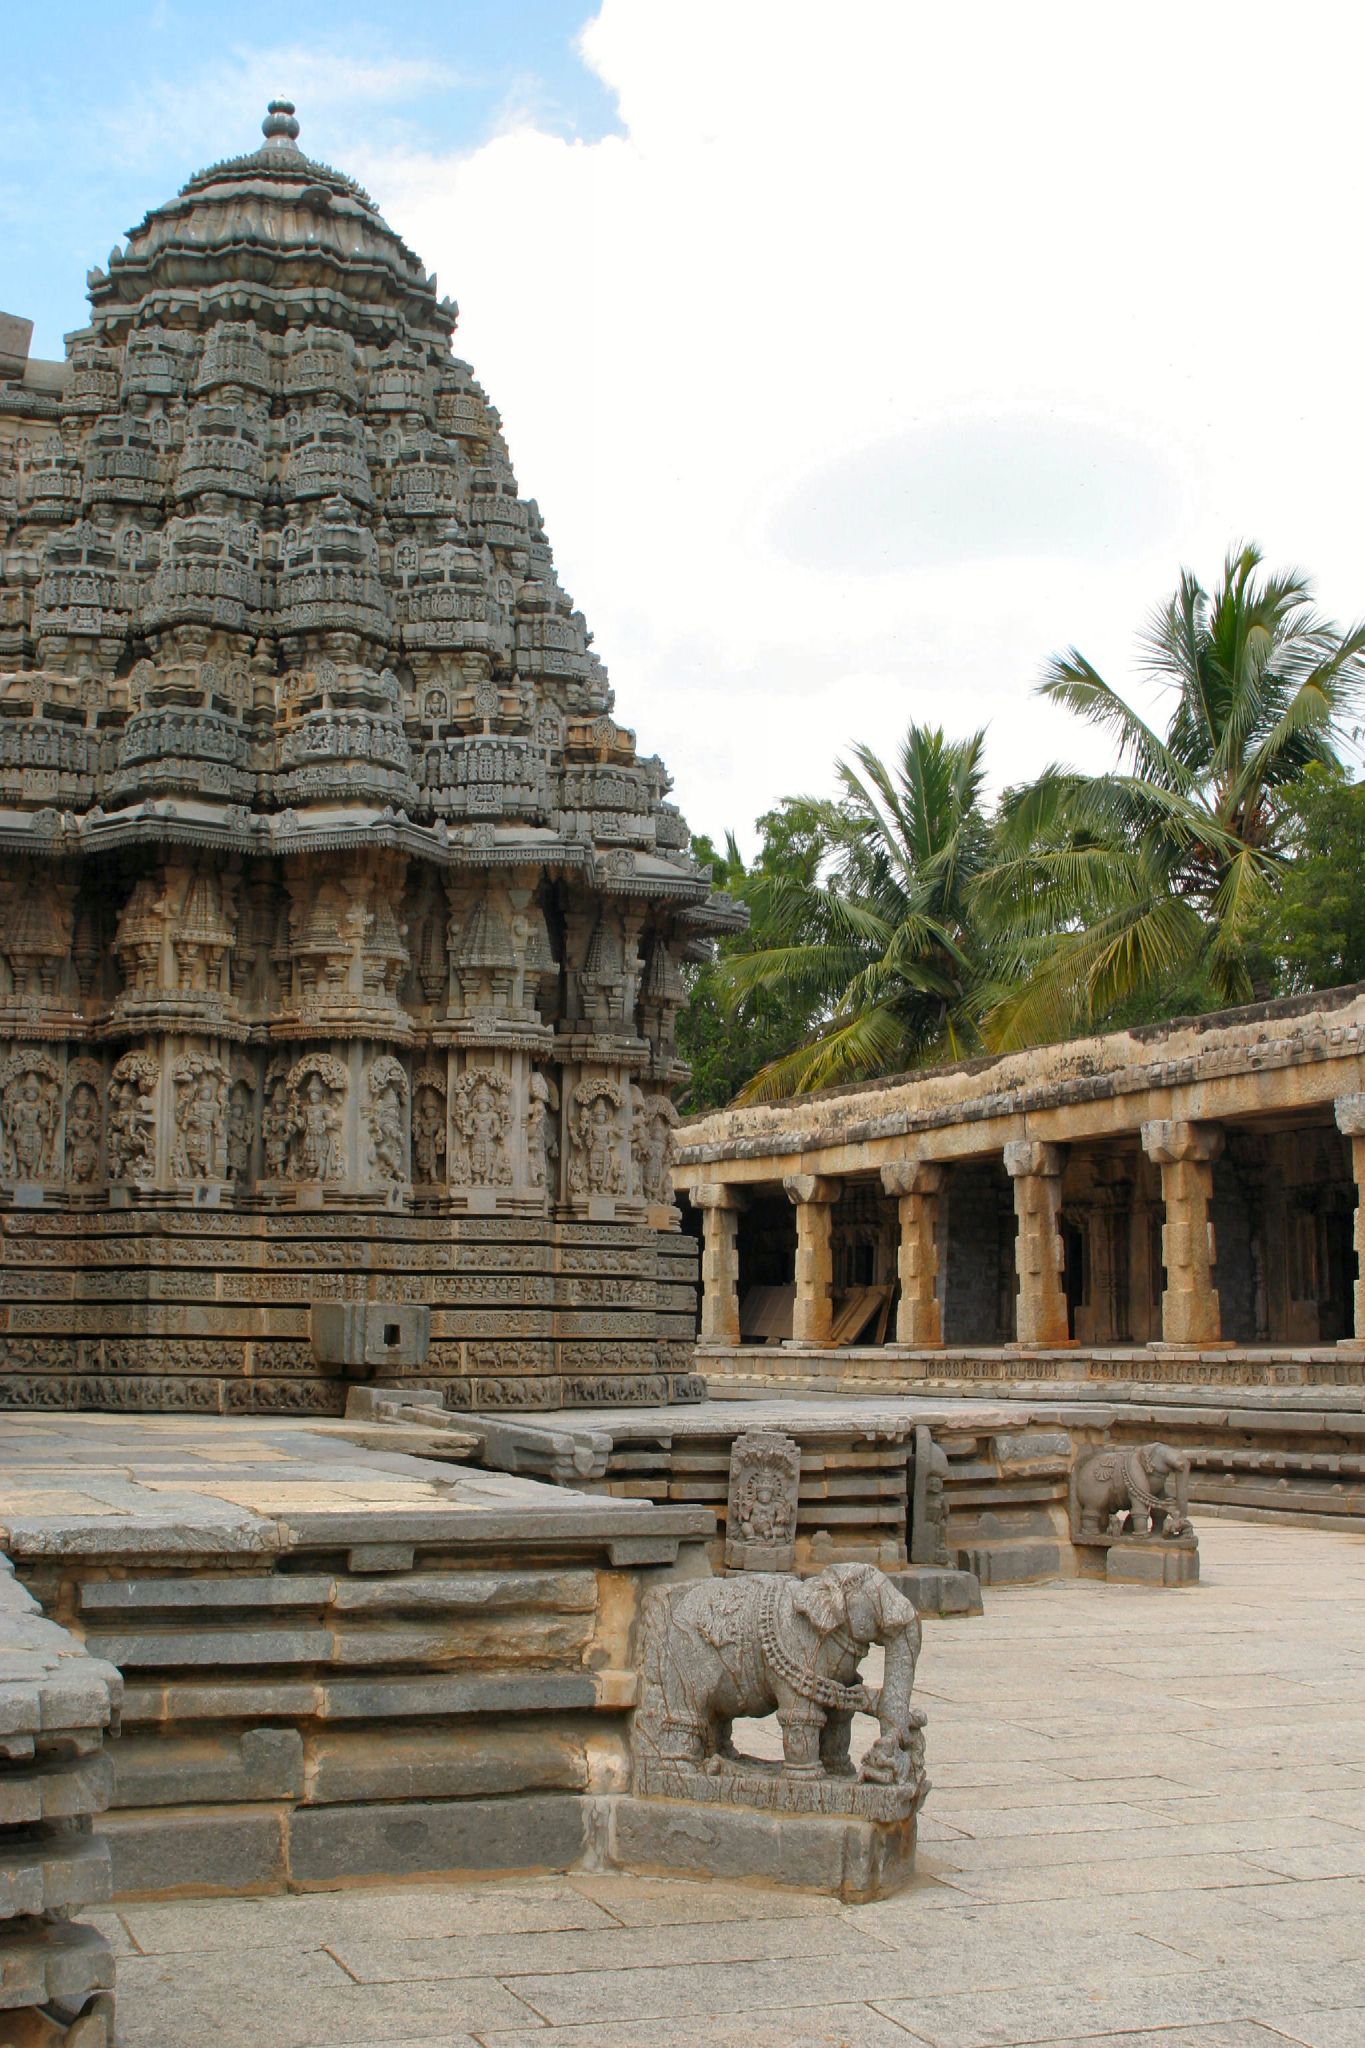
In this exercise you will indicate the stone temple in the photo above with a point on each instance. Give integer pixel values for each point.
(342, 925)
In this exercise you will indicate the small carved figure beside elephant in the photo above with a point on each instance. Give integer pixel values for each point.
(1140, 1491)
(759, 1642)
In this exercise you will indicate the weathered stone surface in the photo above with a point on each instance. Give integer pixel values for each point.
(198, 1851)
(855, 1859)
(417, 1838)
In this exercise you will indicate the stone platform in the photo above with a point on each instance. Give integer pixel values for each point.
(1268, 1433)
(1147, 1830)
(341, 1661)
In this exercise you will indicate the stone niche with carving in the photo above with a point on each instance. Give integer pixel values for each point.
(334, 899)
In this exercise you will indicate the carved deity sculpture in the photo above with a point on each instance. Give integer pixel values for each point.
(482, 1112)
(652, 1120)
(429, 1128)
(386, 1118)
(721, 1649)
(316, 1087)
(28, 1116)
(240, 1131)
(275, 1125)
(760, 1520)
(84, 1123)
(132, 1119)
(200, 1150)
(594, 1165)
(542, 1149)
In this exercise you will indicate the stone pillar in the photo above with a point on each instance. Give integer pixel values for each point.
(813, 1314)
(1185, 1152)
(918, 1184)
(1040, 1314)
(1350, 1113)
(720, 1204)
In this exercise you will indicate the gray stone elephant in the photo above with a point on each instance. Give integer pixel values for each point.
(756, 1642)
(1149, 1485)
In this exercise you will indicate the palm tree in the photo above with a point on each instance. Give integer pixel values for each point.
(1118, 887)
(879, 945)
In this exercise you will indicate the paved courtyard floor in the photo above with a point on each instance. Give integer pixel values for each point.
(1147, 1830)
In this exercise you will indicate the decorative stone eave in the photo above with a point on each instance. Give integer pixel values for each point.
(1323, 1031)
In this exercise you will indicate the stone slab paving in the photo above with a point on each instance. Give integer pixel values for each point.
(1147, 1831)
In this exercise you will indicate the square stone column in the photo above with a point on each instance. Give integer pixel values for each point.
(917, 1183)
(1040, 1315)
(813, 1314)
(720, 1203)
(1350, 1114)
(1185, 1152)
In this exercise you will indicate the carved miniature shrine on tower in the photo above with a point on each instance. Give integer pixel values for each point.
(342, 926)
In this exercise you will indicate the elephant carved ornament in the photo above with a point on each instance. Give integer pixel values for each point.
(759, 1642)
(1148, 1487)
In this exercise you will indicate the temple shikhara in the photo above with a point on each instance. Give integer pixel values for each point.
(342, 924)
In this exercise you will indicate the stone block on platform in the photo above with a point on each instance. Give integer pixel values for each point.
(854, 1857)
(1150, 1561)
(387, 1336)
(939, 1590)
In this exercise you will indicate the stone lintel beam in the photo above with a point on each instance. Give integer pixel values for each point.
(913, 1177)
(1191, 1313)
(803, 1188)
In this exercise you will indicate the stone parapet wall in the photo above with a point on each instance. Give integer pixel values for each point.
(1280, 1435)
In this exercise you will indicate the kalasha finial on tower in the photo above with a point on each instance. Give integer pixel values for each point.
(279, 126)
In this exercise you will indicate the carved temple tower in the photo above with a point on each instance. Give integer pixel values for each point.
(340, 924)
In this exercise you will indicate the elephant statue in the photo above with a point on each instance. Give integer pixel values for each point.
(1149, 1485)
(756, 1642)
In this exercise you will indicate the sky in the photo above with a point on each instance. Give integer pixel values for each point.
(859, 358)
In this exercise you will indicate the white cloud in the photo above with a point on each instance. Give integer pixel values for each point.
(1009, 260)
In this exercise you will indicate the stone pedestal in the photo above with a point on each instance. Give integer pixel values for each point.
(918, 1184)
(939, 1589)
(1152, 1561)
(1185, 1153)
(813, 1311)
(1036, 1170)
(720, 1205)
(853, 1857)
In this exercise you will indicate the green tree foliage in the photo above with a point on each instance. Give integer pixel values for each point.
(1139, 892)
(868, 936)
(1311, 931)
(723, 1047)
